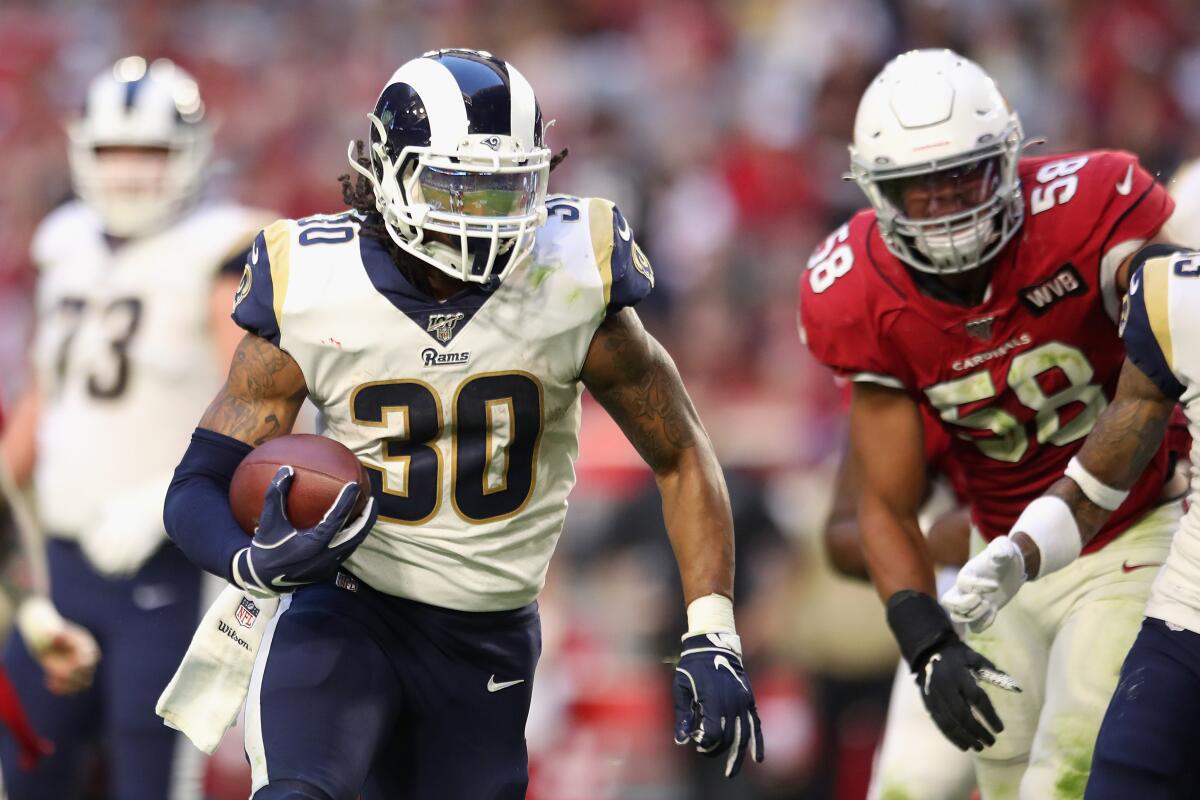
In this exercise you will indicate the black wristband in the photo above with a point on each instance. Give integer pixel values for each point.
(919, 624)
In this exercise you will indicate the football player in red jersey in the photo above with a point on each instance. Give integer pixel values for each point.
(912, 753)
(984, 287)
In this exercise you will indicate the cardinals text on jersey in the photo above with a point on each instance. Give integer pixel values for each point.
(124, 352)
(1019, 379)
(465, 412)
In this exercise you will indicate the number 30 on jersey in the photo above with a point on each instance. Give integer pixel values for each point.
(495, 424)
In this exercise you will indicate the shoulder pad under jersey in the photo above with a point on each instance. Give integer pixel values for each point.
(1159, 323)
(625, 270)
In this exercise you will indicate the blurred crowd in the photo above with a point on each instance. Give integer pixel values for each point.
(719, 127)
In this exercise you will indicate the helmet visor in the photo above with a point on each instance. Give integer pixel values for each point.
(944, 192)
(477, 194)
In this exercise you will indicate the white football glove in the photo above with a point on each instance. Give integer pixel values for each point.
(986, 584)
(128, 531)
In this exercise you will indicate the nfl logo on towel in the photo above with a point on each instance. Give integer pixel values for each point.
(247, 612)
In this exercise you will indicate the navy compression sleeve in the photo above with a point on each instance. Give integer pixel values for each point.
(196, 512)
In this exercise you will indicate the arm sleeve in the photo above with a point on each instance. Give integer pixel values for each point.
(624, 268)
(1145, 325)
(196, 512)
(258, 303)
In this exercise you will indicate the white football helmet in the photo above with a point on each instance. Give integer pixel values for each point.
(933, 128)
(459, 166)
(133, 105)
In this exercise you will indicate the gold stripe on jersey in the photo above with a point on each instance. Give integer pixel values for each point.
(600, 220)
(1155, 275)
(278, 238)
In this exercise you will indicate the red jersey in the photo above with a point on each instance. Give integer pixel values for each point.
(1018, 380)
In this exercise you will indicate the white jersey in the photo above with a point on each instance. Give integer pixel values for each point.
(1161, 327)
(123, 354)
(466, 412)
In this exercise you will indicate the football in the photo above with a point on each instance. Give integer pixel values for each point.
(322, 468)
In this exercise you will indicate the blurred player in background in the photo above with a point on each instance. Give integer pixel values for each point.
(132, 334)
(66, 652)
(984, 287)
(445, 328)
(913, 752)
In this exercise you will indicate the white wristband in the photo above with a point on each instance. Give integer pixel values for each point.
(712, 613)
(1093, 488)
(1048, 521)
(39, 622)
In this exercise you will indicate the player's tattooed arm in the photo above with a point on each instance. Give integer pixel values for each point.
(634, 378)
(261, 396)
(888, 445)
(1120, 446)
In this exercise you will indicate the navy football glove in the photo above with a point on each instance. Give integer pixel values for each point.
(280, 557)
(714, 706)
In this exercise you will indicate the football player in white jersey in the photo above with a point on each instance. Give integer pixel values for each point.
(132, 337)
(446, 328)
(1146, 746)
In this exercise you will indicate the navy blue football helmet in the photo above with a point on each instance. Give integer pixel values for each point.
(457, 148)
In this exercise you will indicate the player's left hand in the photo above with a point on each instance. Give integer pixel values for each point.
(714, 705)
(986, 584)
(66, 652)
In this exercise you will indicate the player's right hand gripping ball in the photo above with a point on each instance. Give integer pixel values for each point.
(714, 705)
(281, 557)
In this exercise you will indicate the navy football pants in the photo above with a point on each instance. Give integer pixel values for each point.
(358, 691)
(143, 625)
(1148, 748)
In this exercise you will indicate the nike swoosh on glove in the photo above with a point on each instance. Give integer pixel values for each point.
(954, 698)
(281, 557)
(714, 705)
(986, 584)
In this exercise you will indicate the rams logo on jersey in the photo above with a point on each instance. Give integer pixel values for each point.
(244, 285)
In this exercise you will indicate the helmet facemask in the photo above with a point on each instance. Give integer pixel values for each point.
(983, 187)
(471, 213)
(135, 193)
(139, 171)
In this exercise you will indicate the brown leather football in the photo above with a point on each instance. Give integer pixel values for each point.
(322, 467)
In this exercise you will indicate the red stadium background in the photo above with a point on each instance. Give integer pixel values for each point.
(720, 129)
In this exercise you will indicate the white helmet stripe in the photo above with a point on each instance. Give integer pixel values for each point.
(442, 98)
(524, 108)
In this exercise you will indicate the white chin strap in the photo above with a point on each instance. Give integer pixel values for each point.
(955, 247)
